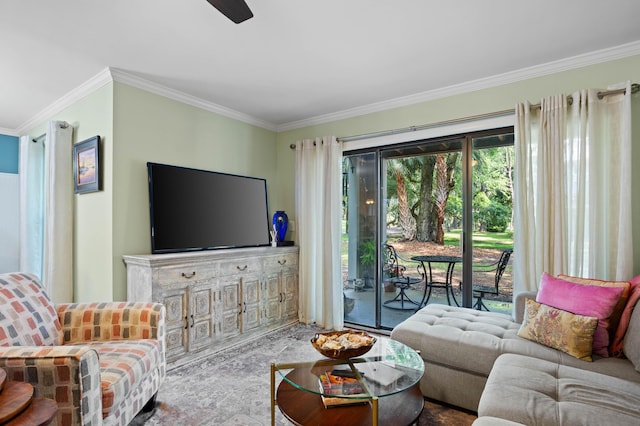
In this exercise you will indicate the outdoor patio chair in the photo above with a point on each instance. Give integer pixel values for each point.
(396, 275)
(480, 291)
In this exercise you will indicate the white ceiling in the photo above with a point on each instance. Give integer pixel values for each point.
(296, 60)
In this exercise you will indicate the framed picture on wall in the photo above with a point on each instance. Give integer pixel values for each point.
(86, 166)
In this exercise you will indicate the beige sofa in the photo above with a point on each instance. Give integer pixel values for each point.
(476, 360)
(101, 362)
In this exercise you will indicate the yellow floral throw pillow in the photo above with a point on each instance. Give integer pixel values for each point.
(558, 329)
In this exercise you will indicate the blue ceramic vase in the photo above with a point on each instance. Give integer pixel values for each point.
(280, 222)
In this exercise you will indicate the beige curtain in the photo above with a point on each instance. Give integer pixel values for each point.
(572, 188)
(318, 213)
(57, 268)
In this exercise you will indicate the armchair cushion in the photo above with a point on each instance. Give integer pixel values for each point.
(89, 322)
(27, 318)
(123, 366)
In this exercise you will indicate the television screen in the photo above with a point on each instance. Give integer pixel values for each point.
(200, 210)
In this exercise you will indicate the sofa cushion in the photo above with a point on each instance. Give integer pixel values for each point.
(592, 301)
(27, 317)
(123, 366)
(536, 392)
(435, 329)
(558, 329)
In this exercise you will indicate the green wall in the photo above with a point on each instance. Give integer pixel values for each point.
(150, 127)
(472, 104)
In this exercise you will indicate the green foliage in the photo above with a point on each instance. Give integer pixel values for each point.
(367, 252)
(491, 185)
(497, 217)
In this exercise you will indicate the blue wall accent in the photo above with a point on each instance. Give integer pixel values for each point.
(9, 148)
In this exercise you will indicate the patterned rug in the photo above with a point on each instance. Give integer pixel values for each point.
(232, 387)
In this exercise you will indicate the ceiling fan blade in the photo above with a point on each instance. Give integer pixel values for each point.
(236, 10)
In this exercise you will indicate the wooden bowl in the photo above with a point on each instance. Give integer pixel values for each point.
(343, 353)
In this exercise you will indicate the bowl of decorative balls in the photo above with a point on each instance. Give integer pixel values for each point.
(343, 344)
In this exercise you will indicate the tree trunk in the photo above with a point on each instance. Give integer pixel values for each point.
(445, 167)
(406, 221)
(422, 210)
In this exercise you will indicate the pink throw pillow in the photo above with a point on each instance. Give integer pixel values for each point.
(614, 320)
(618, 338)
(588, 300)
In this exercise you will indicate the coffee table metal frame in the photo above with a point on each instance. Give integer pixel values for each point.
(352, 362)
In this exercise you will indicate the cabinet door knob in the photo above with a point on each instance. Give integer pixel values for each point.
(243, 268)
(188, 276)
(193, 323)
(282, 262)
(186, 322)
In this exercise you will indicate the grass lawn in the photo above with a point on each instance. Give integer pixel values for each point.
(485, 240)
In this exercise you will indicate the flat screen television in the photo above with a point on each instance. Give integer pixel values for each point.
(195, 209)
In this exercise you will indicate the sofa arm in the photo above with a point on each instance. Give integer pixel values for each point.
(70, 375)
(86, 322)
(520, 304)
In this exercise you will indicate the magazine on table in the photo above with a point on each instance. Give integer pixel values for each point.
(333, 386)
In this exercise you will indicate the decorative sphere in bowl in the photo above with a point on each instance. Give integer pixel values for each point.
(343, 344)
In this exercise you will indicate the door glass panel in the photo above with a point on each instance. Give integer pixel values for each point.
(492, 192)
(359, 238)
(420, 207)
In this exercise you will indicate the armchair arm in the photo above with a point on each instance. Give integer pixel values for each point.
(68, 374)
(520, 304)
(86, 322)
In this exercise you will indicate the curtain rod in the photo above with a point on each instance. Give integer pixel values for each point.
(635, 87)
(35, 140)
(427, 126)
(422, 126)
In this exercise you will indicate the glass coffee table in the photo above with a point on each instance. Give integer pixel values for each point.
(388, 393)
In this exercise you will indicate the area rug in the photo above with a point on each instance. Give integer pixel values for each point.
(232, 387)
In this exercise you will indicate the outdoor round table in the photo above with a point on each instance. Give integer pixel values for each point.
(430, 284)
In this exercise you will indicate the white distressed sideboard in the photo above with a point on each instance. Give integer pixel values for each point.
(216, 298)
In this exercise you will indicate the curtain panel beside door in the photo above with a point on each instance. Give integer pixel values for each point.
(573, 187)
(318, 215)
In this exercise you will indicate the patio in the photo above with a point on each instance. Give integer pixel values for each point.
(363, 312)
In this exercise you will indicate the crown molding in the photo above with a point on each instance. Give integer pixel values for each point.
(149, 86)
(86, 88)
(113, 74)
(8, 132)
(566, 64)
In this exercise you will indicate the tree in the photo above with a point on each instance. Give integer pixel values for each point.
(445, 166)
(406, 220)
(422, 210)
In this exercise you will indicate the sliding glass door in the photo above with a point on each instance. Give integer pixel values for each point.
(415, 218)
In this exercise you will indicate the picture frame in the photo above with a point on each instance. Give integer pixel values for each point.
(86, 166)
